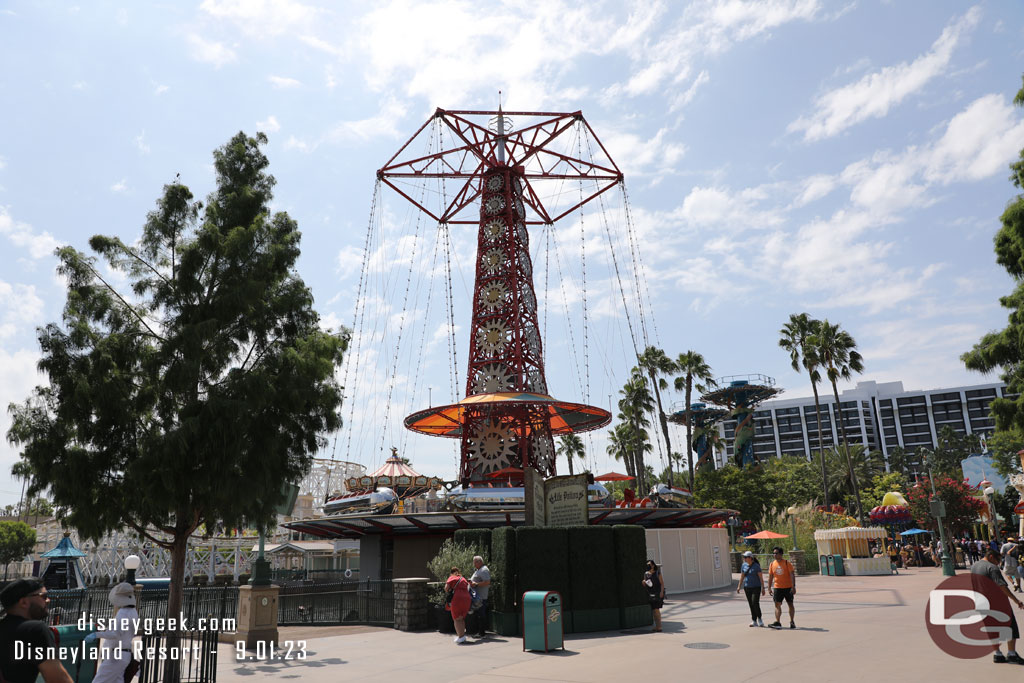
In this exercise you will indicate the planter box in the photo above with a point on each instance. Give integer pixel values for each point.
(590, 620)
(504, 623)
(634, 617)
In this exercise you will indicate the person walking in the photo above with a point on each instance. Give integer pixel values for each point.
(119, 637)
(655, 586)
(752, 584)
(1010, 554)
(25, 602)
(989, 568)
(782, 586)
(458, 604)
(481, 581)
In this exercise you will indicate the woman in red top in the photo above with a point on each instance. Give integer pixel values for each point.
(459, 604)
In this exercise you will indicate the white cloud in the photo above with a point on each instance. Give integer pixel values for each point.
(140, 142)
(684, 98)
(814, 188)
(120, 186)
(210, 52)
(39, 245)
(161, 89)
(712, 207)
(283, 82)
(874, 94)
(3, 163)
(79, 85)
(21, 309)
(261, 18)
(269, 126)
(637, 156)
(382, 124)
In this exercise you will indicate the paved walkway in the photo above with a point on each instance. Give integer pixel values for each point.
(849, 629)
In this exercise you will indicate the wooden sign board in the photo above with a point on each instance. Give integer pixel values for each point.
(534, 494)
(565, 501)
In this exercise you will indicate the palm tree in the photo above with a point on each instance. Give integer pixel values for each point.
(794, 337)
(714, 442)
(619, 446)
(696, 374)
(656, 363)
(836, 351)
(635, 404)
(571, 446)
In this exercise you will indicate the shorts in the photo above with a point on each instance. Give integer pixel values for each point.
(784, 594)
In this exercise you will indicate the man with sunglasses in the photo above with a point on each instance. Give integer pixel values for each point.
(25, 605)
(782, 586)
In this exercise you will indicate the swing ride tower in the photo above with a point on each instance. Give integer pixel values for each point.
(741, 394)
(507, 420)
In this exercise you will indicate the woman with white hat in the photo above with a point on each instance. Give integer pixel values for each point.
(118, 653)
(752, 583)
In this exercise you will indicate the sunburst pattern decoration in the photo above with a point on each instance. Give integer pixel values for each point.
(493, 378)
(524, 236)
(525, 264)
(493, 230)
(491, 447)
(494, 259)
(535, 382)
(494, 204)
(494, 183)
(492, 337)
(532, 339)
(494, 296)
(528, 300)
(543, 452)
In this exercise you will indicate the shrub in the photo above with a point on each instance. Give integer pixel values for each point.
(592, 567)
(630, 563)
(543, 561)
(503, 595)
(478, 539)
(450, 555)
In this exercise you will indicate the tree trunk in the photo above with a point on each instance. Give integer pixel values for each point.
(849, 461)
(664, 427)
(689, 429)
(568, 456)
(821, 443)
(641, 473)
(175, 599)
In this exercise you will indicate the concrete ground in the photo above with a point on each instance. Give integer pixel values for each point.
(849, 629)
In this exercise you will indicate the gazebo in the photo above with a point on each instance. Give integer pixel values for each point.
(854, 543)
(62, 571)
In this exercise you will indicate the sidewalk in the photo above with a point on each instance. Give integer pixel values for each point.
(849, 629)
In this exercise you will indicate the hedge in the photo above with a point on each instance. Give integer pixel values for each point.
(630, 564)
(503, 596)
(543, 561)
(594, 579)
(476, 538)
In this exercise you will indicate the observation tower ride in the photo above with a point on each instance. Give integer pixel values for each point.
(741, 394)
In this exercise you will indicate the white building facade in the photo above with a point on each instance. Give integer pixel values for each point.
(879, 416)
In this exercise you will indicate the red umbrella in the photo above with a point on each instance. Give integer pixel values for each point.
(614, 476)
(765, 536)
(506, 472)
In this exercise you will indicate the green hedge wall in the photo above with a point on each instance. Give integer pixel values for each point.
(503, 596)
(476, 538)
(630, 563)
(592, 567)
(543, 561)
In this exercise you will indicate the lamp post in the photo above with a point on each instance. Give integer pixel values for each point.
(992, 527)
(792, 522)
(131, 563)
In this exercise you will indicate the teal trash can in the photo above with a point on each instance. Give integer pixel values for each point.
(83, 668)
(830, 567)
(837, 562)
(542, 621)
(823, 565)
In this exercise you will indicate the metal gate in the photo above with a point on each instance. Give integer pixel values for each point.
(369, 603)
(195, 653)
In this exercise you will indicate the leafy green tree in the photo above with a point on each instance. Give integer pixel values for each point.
(790, 480)
(952, 448)
(654, 361)
(634, 406)
(731, 488)
(1004, 447)
(17, 540)
(571, 446)
(906, 462)
(1005, 349)
(882, 484)
(619, 446)
(191, 397)
(795, 337)
(695, 373)
(837, 352)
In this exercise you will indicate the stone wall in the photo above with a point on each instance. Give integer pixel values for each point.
(799, 563)
(411, 606)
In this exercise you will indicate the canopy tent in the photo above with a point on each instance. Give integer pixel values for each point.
(851, 541)
(614, 476)
(914, 532)
(764, 536)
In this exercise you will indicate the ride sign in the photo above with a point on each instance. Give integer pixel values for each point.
(968, 615)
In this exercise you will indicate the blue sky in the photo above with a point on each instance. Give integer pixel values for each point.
(848, 159)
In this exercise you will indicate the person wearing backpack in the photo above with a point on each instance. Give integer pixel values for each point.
(1011, 561)
(457, 601)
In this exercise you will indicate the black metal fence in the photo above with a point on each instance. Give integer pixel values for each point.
(194, 653)
(215, 602)
(345, 602)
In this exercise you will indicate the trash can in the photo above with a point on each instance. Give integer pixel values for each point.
(837, 562)
(542, 621)
(823, 565)
(830, 567)
(83, 668)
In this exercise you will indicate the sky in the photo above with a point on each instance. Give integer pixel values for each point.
(845, 159)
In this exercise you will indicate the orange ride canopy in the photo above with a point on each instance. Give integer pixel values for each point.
(562, 417)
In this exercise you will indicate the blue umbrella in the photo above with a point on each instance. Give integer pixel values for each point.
(911, 532)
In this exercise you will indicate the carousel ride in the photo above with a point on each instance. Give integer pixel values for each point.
(478, 170)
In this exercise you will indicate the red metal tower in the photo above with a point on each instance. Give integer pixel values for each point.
(507, 419)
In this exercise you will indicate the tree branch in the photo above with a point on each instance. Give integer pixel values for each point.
(122, 300)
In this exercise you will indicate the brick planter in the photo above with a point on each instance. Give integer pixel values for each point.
(412, 611)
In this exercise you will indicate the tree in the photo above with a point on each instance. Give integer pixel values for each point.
(882, 484)
(1005, 349)
(635, 404)
(837, 352)
(952, 448)
(190, 398)
(1004, 447)
(656, 363)
(571, 446)
(961, 506)
(17, 540)
(696, 374)
(714, 443)
(795, 337)
(619, 447)
(903, 461)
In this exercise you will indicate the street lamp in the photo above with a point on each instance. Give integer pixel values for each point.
(131, 563)
(993, 529)
(938, 510)
(792, 521)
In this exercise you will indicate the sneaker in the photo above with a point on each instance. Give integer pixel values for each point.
(753, 623)
(455, 640)
(999, 658)
(792, 624)
(776, 624)
(460, 640)
(1014, 658)
(760, 623)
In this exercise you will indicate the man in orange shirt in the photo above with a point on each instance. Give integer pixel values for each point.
(782, 585)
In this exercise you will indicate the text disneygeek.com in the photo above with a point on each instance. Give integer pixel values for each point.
(148, 625)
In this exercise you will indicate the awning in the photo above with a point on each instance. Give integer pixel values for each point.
(563, 417)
